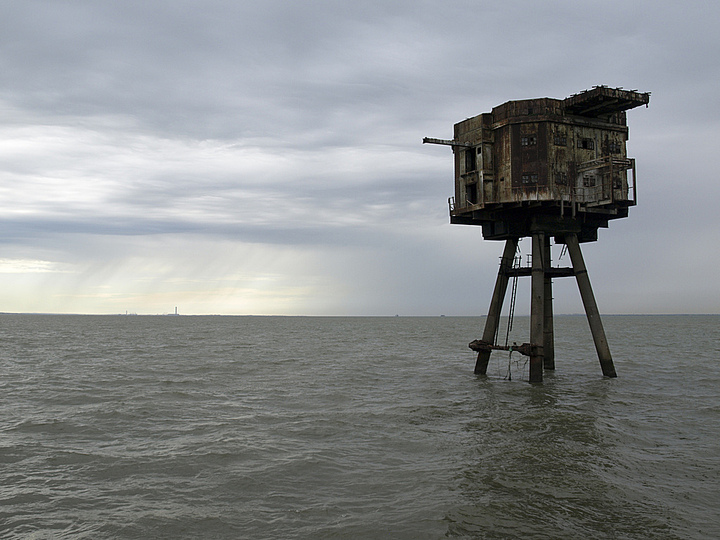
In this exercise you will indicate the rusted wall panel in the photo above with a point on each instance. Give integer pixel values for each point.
(532, 150)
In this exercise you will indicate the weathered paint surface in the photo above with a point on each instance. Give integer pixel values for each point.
(560, 157)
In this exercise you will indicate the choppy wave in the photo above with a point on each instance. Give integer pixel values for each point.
(275, 427)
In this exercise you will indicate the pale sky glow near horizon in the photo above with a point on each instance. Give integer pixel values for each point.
(258, 158)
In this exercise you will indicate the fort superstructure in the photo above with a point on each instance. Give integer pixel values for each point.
(544, 168)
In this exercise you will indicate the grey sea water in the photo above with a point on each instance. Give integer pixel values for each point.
(137, 427)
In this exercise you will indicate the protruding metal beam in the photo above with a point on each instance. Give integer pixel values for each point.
(446, 142)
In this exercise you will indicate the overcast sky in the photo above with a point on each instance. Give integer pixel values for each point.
(265, 157)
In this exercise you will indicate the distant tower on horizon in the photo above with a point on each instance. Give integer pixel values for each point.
(544, 168)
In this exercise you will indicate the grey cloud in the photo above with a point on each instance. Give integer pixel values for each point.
(299, 125)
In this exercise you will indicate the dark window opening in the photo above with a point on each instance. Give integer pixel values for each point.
(614, 147)
(529, 178)
(470, 160)
(586, 144)
(530, 140)
(589, 180)
(561, 178)
(471, 193)
(560, 140)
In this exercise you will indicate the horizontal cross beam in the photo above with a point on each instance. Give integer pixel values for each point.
(550, 272)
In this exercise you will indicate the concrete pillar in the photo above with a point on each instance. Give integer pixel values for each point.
(537, 307)
(591, 309)
(549, 333)
(493, 318)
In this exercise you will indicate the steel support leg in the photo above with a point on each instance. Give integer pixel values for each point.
(493, 318)
(591, 309)
(549, 333)
(537, 307)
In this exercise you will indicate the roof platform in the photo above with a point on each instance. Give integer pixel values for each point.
(602, 100)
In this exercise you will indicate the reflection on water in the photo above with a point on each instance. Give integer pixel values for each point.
(539, 465)
(582, 456)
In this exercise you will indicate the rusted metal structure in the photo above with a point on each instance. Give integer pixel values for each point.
(544, 168)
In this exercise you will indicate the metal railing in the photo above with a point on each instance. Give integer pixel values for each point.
(600, 182)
